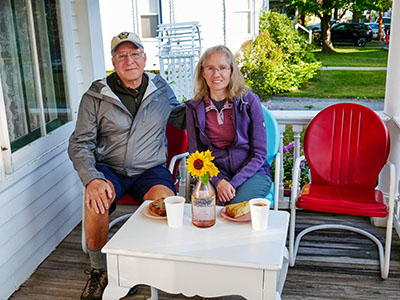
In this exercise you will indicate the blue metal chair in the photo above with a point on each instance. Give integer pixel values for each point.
(273, 141)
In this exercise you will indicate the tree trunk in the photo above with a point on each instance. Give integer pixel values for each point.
(327, 46)
(355, 17)
(380, 26)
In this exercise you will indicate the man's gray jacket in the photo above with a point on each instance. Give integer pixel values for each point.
(107, 133)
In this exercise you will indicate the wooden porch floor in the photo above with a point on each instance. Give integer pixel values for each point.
(336, 271)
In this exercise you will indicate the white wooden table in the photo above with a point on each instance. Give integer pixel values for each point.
(226, 259)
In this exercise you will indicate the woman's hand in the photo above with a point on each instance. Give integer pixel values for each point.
(225, 191)
(99, 195)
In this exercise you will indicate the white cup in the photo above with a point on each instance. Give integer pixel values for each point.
(259, 211)
(175, 207)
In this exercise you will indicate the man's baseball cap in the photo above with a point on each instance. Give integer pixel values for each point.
(125, 37)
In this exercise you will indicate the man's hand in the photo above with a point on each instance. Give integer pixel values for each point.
(99, 195)
(225, 191)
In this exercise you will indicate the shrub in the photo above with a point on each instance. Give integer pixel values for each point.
(278, 60)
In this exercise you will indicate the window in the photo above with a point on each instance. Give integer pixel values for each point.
(149, 26)
(243, 16)
(149, 19)
(32, 73)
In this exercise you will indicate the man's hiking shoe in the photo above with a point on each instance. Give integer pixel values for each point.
(95, 285)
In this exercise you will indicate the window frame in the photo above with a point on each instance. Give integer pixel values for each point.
(141, 27)
(250, 20)
(36, 152)
(145, 13)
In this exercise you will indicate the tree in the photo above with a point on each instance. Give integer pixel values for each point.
(381, 6)
(323, 9)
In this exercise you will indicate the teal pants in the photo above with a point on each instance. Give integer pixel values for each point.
(256, 186)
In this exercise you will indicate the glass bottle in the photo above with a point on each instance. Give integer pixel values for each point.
(203, 204)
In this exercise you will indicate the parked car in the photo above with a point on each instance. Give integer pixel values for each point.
(317, 27)
(357, 33)
(375, 30)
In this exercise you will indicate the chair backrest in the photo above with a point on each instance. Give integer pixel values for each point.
(273, 135)
(177, 144)
(345, 144)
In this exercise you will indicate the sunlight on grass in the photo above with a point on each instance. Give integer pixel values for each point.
(354, 57)
(344, 84)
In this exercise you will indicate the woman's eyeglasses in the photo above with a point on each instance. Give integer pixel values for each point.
(211, 70)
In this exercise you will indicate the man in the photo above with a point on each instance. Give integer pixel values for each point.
(118, 145)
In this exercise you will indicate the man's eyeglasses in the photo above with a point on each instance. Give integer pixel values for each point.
(125, 56)
(211, 70)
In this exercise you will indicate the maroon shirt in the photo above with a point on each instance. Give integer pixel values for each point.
(219, 124)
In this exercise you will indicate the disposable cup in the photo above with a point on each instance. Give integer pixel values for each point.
(259, 211)
(175, 207)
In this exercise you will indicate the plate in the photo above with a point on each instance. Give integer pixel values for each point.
(244, 218)
(148, 213)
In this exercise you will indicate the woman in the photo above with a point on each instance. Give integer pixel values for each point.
(226, 118)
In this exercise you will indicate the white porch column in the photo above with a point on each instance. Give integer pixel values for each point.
(392, 105)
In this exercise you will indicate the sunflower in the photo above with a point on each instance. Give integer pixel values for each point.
(200, 165)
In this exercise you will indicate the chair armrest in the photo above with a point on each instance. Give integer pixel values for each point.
(392, 189)
(295, 178)
(277, 179)
(392, 184)
(174, 159)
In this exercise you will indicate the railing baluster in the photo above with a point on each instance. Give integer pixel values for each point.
(282, 128)
(297, 130)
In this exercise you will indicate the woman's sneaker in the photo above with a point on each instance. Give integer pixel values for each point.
(95, 285)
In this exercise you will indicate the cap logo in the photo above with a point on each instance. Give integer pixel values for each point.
(123, 35)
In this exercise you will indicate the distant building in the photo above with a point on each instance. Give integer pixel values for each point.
(221, 22)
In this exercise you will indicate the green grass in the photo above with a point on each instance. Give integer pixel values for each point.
(354, 57)
(344, 84)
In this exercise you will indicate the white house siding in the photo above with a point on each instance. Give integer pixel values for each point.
(40, 200)
(115, 19)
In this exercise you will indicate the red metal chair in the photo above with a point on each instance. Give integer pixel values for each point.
(346, 146)
(177, 150)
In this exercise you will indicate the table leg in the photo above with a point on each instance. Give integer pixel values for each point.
(114, 292)
(154, 294)
(283, 271)
(270, 285)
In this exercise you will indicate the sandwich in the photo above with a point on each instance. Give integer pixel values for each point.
(238, 209)
(158, 207)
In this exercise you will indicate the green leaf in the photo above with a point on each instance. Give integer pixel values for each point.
(204, 179)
